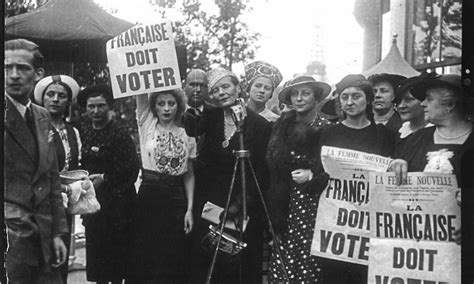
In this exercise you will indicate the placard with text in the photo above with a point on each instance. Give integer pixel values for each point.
(142, 60)
(342, 230)
(413, 229)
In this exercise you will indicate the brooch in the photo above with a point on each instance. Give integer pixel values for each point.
(95, 149)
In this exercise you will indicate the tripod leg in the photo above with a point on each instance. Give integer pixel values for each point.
(270, 225)
(222, 225)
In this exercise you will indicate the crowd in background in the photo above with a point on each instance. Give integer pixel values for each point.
(187, 141)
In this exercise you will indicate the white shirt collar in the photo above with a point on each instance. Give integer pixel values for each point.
(19, 106)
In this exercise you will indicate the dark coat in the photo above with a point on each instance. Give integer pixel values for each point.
(290, 136)
(109, 151)
(213, 178)
(33, 202)
(216, 163)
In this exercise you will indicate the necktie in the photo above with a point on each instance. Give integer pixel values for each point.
(30, 121)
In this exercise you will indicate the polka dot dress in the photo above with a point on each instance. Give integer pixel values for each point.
(295, 245)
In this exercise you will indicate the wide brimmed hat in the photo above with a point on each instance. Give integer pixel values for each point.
(103, 89)
(450, 81)
(216, 74)
(351, 80)
(322, 89)
(262, 69)
(62, 79)
(393, 79)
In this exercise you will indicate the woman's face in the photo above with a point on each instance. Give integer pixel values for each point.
(302, 98)
(55, 99)
(224, 92)
(353, 101)
(434, 108)
(261, 90)
(166, 107)
(410, 108)
(98, 110)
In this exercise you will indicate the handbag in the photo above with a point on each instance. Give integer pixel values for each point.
(87, 203)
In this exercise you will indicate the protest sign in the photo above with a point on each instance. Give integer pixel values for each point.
(142, 60)
(342, 223)
(412, 229)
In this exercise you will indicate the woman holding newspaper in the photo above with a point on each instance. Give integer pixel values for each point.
(163, 215)
(440, 148)
(356, 132)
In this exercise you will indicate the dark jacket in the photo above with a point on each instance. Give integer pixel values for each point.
(293, 145)
(33, 202)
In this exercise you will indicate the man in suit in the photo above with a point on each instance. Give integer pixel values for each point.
(34, 215)
(196, 89)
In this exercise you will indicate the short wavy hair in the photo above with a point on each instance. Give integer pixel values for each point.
(180, 98)
(20, 43)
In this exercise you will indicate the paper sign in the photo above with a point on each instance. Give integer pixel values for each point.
(413, 229)
(142, 60)
(336, 159)
(342, 223)
(211, 212)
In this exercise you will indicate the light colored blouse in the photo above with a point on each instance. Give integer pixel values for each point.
(406, 130)
(162, 150)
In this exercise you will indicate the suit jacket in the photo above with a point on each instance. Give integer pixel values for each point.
(34, 213)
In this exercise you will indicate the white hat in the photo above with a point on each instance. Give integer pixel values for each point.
(64, 79)
(216, 74)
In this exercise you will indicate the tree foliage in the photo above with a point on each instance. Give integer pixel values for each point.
(222, 38)
(85, 73)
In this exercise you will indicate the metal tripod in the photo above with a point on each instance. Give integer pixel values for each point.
(242, 156)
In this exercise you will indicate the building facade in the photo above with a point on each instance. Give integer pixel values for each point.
(429, 32)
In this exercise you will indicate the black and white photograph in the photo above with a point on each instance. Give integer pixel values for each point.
(238, 141)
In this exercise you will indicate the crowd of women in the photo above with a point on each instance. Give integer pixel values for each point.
(155, 233)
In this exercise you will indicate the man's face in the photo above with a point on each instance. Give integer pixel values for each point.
(20, 74)
(196, 88)
(383, 96)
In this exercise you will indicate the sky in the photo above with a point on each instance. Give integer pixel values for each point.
(287, 32)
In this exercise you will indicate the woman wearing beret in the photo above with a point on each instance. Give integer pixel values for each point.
(214, 176)
(109, 155)
(295, 181)
(56, 93)
(163, 213)
(356, 132)
(262, 79)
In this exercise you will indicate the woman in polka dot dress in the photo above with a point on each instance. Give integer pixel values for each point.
(296, 182)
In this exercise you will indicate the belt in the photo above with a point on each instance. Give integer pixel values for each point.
(154, 177)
